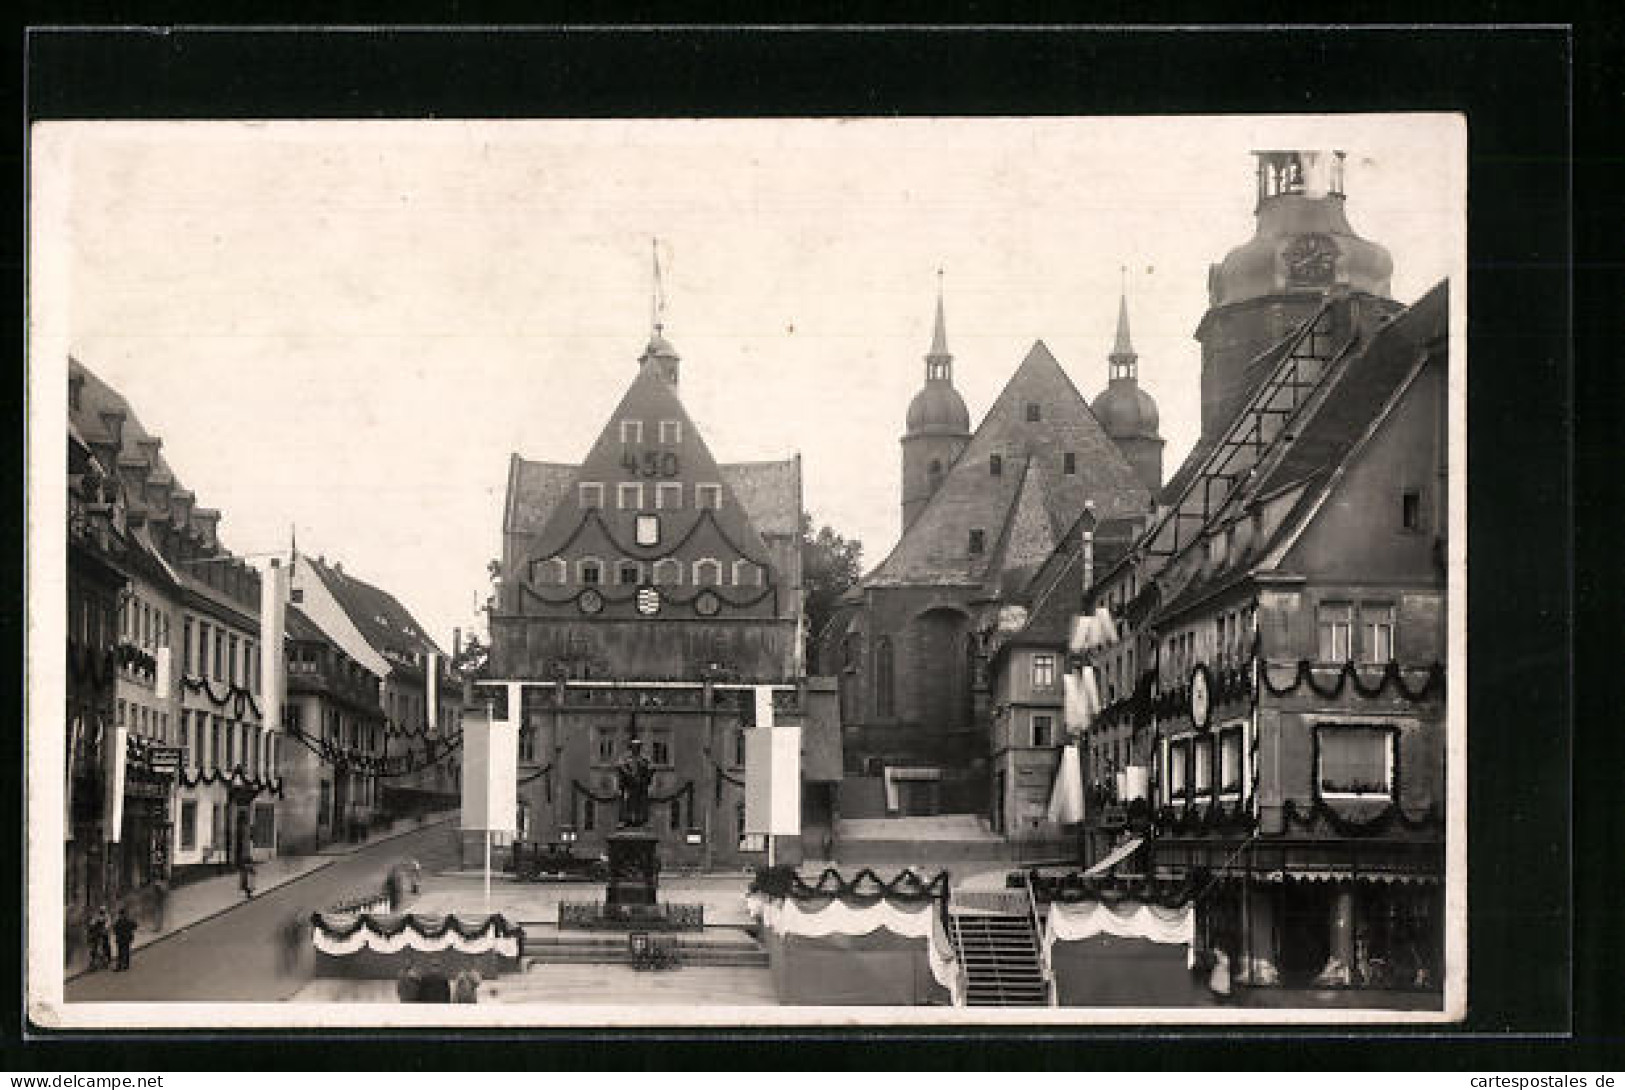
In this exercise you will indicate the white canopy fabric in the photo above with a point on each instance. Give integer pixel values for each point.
(787, 917)
(1090, 630)
(363, 939)
(1074, 923)
(1081, 700)
(1117, 855)
(1066, 797)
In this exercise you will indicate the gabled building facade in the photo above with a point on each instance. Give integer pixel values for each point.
(982, 516)
(641, 591)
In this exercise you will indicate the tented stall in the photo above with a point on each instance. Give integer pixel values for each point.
(1128, 954)
(838, 949)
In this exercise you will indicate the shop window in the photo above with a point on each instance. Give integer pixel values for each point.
(1178, 770)
(1230, 762)
(1376, 632)
(1203, 772)
(669, 496)
(707, 573)
(1355, 761)
(708, 497)
(1043, 671)
(188, 825)
(1043, 730)
(1334, 626)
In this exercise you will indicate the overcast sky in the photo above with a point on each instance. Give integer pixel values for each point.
(350, 326)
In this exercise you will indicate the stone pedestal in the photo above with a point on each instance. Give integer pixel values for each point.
(634, 868)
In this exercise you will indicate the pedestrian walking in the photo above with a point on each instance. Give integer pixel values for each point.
(97, 940)
(246, 876)
(123, 934)
(160, 904)
(293, 941)
(417, 874)
(392, 889)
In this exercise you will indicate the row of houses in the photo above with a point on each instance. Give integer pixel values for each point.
(219, 714)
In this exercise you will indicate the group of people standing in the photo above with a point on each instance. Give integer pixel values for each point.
(101, 937)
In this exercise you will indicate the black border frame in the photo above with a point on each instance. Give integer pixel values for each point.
(1515, 86)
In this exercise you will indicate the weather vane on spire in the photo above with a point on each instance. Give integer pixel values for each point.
(657, 316)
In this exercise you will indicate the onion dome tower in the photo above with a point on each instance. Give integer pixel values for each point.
(938, 424)
(1128, 413)
(1302, 250)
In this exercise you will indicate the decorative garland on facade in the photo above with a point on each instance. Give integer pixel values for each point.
(1321, 813)
(611, 597)
(1348, 674)
(785, 881)
(1109, 889)
(1206, 819)
(234, 778)
(424, 927)
(534, 776)
(137, 660)
(642, 551)
(235, 695)
(685, 792)
(344, 759)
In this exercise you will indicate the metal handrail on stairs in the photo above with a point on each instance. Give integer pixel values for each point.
(1039, 945)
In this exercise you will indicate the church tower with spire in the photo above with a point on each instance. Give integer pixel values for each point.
(1128, 413)
(938, 424)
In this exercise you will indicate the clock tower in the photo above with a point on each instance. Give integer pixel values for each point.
(1302, 250)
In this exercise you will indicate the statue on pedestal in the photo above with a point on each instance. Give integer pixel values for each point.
(633, 776)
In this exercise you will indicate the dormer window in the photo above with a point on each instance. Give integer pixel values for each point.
(631, 431)
(671, 432)
(708, 497)
(1033, 414)
(590, 495)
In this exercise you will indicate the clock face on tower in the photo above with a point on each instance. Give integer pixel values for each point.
(1310, 259)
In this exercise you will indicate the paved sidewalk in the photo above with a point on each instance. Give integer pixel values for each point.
(194, 902)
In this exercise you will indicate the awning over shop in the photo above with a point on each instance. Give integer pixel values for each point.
(1118, 855)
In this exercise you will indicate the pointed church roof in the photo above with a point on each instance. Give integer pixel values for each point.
(1122, 347)
(939, 334)
(934, 549)
(1029, 538)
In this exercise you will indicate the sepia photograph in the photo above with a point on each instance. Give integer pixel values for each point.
(747, 572)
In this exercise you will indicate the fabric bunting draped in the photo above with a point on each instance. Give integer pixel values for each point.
(1081, 700)
(788, 917)
(1090, 630)
(1077, 922)
(424, 934)
(1066, 799)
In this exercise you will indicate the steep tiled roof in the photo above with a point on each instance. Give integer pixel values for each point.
(934, 547)
(533, 490)
(770, 493)
(97, 397)
(1354, 401)
(386, 624)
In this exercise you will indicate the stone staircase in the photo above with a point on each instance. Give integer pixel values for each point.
(993, 934)
(713, 947)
